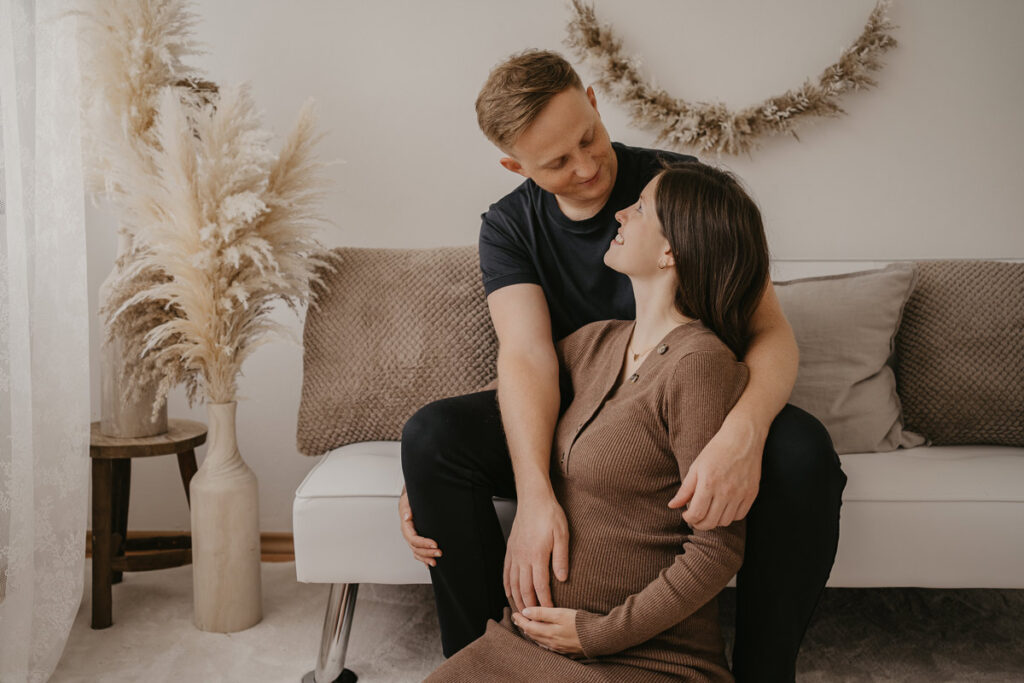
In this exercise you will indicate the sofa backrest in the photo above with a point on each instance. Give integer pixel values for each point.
(394, 329)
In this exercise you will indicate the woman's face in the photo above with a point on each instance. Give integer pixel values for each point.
(640, 241)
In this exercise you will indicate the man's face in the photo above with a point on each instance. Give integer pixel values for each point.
(566, 151)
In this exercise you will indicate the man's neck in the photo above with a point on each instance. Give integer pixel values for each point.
(581, 212)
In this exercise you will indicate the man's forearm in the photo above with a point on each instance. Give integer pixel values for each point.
(528, 395)
(772, 358)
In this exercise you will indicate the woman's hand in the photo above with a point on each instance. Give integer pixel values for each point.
(723, 480)
(423, 549)
(553, 628)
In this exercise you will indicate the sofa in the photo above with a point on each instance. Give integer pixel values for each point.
(916, 369)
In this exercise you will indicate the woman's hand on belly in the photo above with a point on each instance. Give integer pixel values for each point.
(553, 628)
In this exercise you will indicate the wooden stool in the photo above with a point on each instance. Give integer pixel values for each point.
(111, 483)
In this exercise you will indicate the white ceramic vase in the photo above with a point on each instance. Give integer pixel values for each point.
(117, 417)
(227, 595)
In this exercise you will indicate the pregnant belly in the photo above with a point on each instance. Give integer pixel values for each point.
(604, 572)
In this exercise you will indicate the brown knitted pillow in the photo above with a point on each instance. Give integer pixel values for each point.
(394, 329)
(960, 353)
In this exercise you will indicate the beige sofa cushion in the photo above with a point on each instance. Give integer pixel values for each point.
(395, 329)
(845, 327)
(960, 361)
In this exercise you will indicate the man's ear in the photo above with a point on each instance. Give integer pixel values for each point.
(512, 165)
(592, 97)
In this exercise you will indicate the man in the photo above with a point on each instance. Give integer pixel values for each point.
(541, 249)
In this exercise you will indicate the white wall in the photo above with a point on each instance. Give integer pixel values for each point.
(928, 165)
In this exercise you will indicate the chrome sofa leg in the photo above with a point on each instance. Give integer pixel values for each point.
(330, 666)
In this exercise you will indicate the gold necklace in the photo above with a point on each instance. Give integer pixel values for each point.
(637, 355)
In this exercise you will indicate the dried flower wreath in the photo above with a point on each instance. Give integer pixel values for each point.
(712, 126)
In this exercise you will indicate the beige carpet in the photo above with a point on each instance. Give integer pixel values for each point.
(857, 635)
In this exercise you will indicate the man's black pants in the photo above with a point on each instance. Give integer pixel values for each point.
(455, 458)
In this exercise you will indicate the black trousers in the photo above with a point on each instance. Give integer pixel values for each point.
(455, 458)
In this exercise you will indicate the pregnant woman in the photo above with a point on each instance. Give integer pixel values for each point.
(640, 601)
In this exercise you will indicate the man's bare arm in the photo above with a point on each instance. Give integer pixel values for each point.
(723, 482)
(527, 383)
(528, 394)
(773, 359)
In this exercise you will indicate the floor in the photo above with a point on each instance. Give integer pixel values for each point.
(856, 635)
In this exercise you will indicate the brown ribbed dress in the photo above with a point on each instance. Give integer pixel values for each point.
(643, 583)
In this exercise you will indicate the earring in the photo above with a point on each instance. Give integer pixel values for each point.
(662, 264)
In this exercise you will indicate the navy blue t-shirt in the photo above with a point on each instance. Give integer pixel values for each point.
(525, 237)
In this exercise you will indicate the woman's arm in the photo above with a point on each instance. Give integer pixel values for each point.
(704, 386)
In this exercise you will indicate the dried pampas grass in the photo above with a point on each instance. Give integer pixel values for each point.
(220, 227)
(712, 126)
(226, 228)
(131, 50)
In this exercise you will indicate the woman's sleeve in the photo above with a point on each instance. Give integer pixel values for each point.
(570, 347)
(704, 387)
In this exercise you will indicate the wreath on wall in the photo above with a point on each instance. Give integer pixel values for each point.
(712, 125)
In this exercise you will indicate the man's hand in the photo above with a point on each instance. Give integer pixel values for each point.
(723, 481)
(539, 539)
(553, 628)
(423, 549)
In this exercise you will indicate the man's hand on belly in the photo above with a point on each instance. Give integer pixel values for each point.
(539, 540)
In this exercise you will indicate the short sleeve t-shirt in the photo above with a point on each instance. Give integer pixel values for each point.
(525, 238)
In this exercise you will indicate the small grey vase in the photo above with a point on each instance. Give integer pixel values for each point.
(119, 418)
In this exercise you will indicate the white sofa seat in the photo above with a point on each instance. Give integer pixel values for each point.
(950, 516)
(345, 518)
(943, 517)
(937, 517)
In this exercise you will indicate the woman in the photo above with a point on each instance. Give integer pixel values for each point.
(639, 603)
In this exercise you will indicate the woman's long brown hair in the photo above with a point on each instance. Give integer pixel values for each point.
(717, 238)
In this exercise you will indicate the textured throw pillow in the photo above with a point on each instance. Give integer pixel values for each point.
(845, 327)
(393, 330)
(960, 353)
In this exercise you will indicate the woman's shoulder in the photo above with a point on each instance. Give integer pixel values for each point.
(704, 363)
(706, 370)
(701, 339)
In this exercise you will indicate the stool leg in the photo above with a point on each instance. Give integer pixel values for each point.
(101, 521)
(187, 468)
(330, 666)
(122, 484)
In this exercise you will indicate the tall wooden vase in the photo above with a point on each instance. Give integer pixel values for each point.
(227, 594)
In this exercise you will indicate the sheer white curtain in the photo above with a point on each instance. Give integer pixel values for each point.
(44, 353)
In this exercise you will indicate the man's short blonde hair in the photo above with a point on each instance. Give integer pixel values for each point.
(517, 91)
